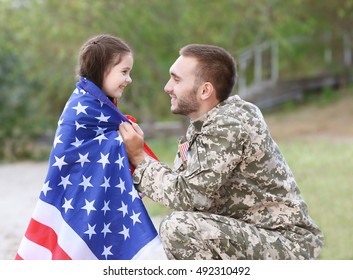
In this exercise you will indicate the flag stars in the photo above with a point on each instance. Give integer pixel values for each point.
(106, 229)
(78, 125)
(65, 181)
(120, 161)
(67, 205)
(106, 184)
(103, 118)
(94, 191)
(57, 140)
(89, 206)
(100, 130)
(83, 159)
(106, 207)
(134, 194)
(119, 139)
(90, 231)
(80, 109)
(121, 186)
(77, 143)
(104, 159)
(123, 208)
(46, 188)
(106, 252)
(135, 217)
(125, 232)
(86, 182)
(59, 162)
(100, 138)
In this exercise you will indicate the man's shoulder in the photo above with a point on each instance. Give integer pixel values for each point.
(240, 108)
(234, 107)
(226, 117)
(234, 114)
(235, 101)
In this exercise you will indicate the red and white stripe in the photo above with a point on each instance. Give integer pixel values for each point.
(49, 237)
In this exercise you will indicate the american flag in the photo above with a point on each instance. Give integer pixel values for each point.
(88, 207)
(183, 150)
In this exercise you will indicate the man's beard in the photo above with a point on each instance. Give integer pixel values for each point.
(187, 105)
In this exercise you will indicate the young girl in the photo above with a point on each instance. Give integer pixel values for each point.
(88, 207)
(107, 62)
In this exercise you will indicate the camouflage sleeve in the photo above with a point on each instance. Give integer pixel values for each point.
(212, 157)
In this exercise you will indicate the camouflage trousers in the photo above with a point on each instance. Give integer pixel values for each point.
(197, 235)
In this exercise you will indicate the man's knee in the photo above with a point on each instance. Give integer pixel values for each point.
(181, 238)
(189, 235)
(173, 226)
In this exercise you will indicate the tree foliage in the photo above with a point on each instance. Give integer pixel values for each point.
(40, 40)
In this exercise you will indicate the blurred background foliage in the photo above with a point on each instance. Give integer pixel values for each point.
(40, 40)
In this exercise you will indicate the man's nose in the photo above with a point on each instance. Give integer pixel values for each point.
(168, 87)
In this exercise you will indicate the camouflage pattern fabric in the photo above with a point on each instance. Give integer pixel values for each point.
(233, 192)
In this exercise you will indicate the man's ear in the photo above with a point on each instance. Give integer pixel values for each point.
(207, 91)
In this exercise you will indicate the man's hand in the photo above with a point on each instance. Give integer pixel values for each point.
(132, 135)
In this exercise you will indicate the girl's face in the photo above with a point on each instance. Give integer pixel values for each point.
(118, 77)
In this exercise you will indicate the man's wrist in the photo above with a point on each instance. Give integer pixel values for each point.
(138, 159)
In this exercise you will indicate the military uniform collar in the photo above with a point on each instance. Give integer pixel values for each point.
(198, 123)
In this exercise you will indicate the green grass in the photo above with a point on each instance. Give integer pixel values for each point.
(165, 149)
(324, 172)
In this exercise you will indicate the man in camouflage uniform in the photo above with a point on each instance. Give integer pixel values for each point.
(232, 192)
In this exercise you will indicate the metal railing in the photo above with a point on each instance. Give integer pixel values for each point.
(251, 59)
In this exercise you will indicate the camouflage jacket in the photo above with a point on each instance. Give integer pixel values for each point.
(233, 168)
